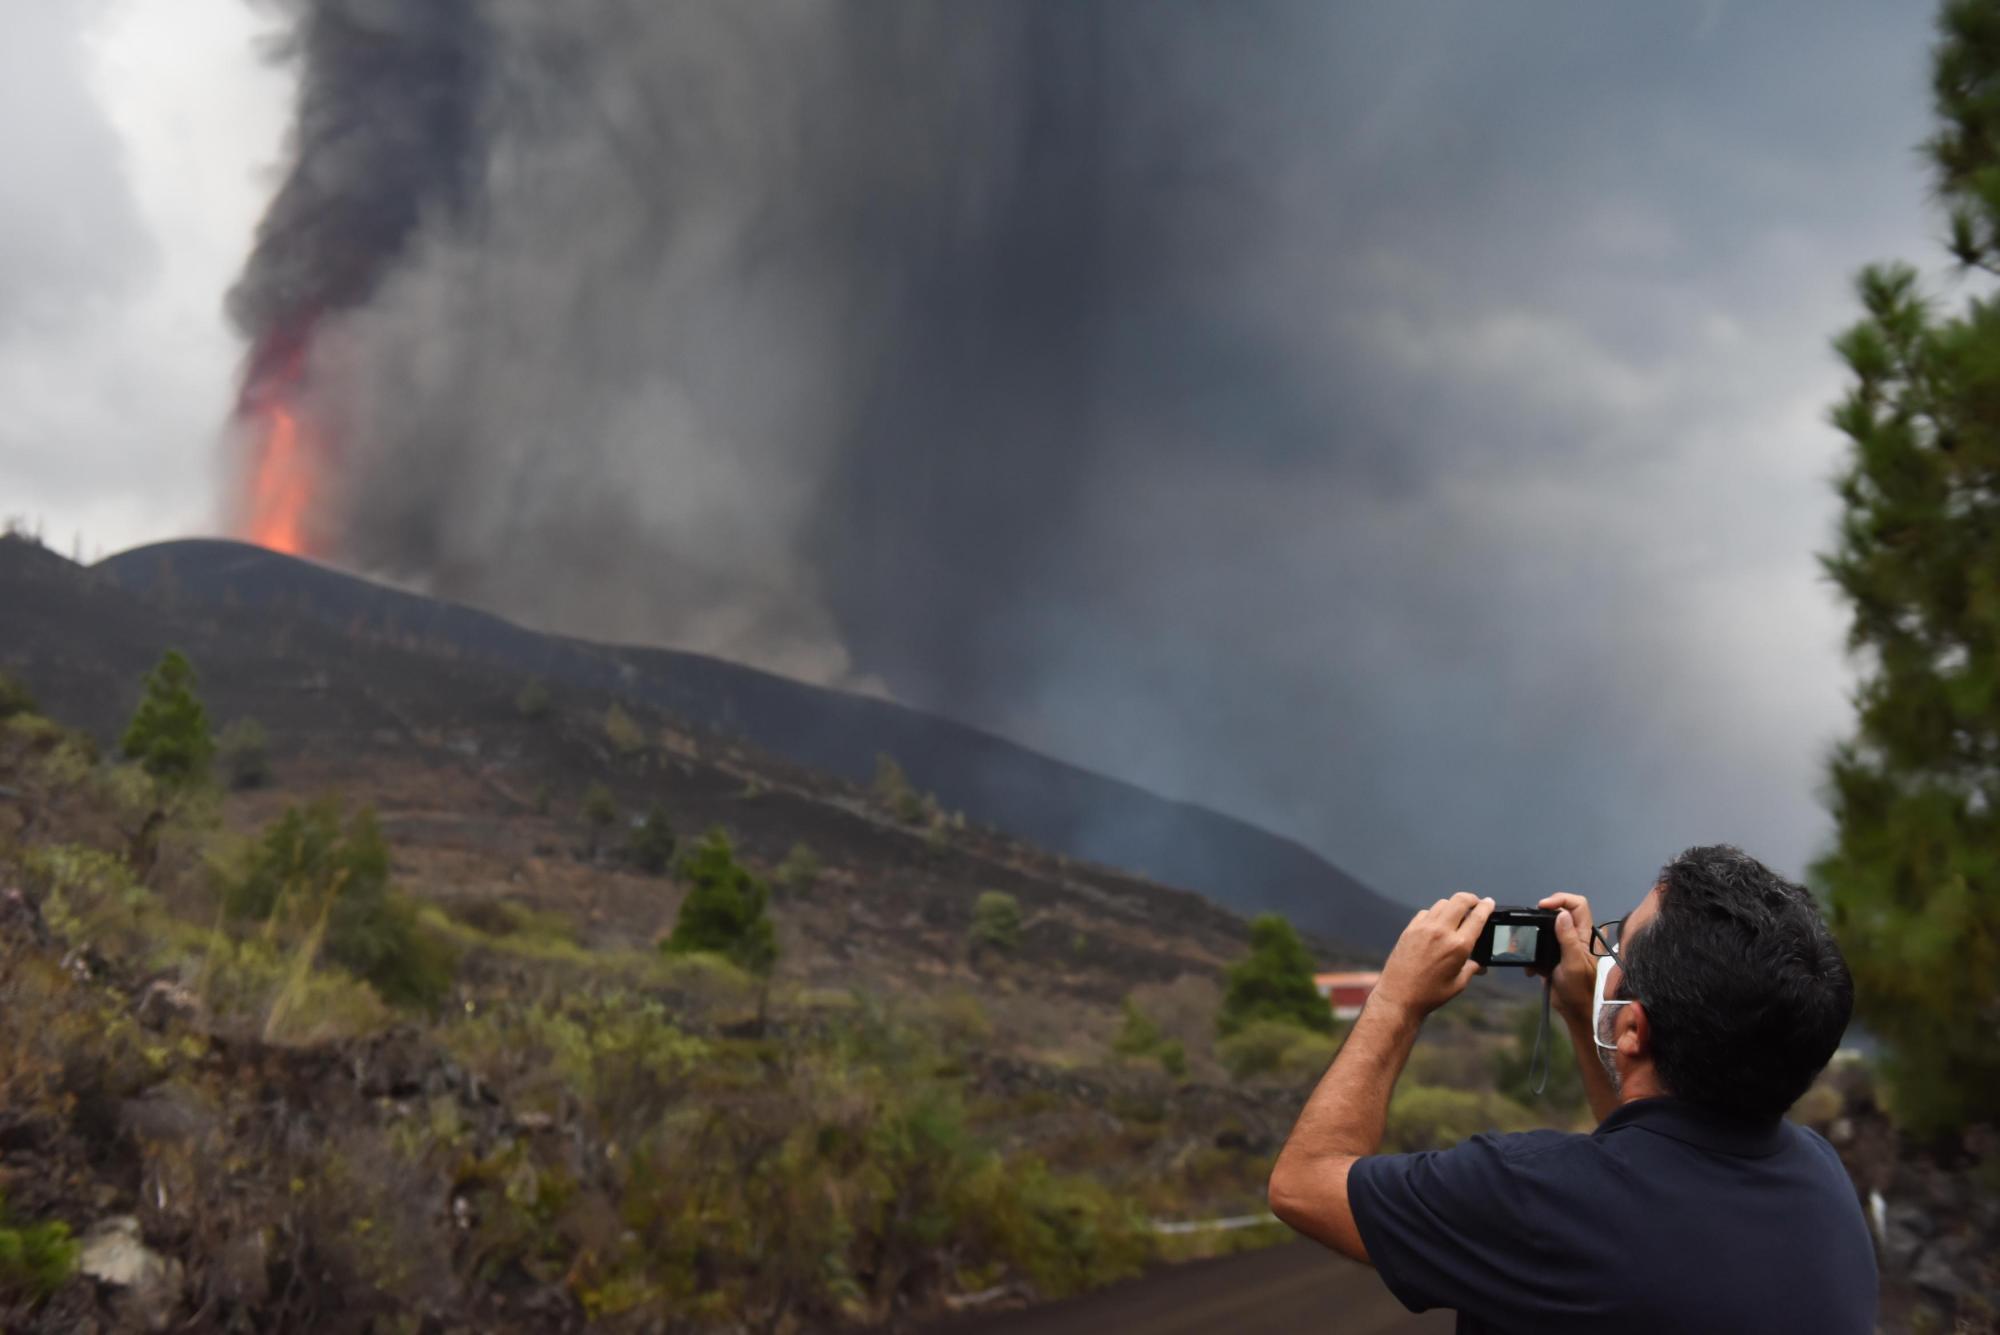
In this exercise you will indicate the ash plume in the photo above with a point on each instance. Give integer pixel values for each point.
(386, 133)
(730, 327)
(1310, 410)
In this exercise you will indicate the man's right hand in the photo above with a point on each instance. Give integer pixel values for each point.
(1576, 972)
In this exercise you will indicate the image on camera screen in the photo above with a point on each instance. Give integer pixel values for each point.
(1514, 944)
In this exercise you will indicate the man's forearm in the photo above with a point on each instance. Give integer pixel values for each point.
(1347, 1110)
(1596, 1081)
(1342, 1122)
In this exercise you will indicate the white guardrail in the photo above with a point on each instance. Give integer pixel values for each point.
(1213, 1225)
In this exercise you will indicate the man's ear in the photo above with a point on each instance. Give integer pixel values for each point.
(1635, 1032)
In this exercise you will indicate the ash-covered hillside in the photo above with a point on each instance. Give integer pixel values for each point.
(237, 589)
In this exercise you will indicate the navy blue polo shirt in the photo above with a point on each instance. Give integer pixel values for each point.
(1666, 1218)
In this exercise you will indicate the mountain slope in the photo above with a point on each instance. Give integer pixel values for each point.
(1055, 805)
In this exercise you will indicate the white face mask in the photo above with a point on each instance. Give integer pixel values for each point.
(1603, 1015)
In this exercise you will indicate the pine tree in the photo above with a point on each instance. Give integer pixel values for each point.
(311, 866)
(1913, 880)
(723, 913)
(1273, 982)
(168, 734)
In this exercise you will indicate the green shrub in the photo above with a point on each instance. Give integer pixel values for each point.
(35, 734)
(627, 738)
(704, 980)
(890, 781)
(651, 846)
(893, 790)
(600, 813)
(723, 913)
(828, 1190)
(621, 1054)
(1273, 982)
(1313, 1053)
(244, 749)
(308, 876)
(384, 943)
(301, 861)
(800, 870)
(1173, 1058)
(277, 992)
(1138, 1035)
(168, 734)
(1275, 1047)
(15, 698)
(532, 701)
(89, 895)
(35, 1259)
(1424, 1117)
(1450, 1058)
(959, 1019)
(510, 917)
(1063, 1233)
(996, 922)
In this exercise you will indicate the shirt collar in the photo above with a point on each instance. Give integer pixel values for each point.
(1697, 1126)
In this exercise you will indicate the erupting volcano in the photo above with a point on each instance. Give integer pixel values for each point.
(280, 481)
(384, 140)
(280, 467)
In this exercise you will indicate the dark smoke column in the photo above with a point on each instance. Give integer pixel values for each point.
(793, 333)
(384, 140)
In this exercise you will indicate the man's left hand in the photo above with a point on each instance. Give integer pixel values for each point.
(1432, 961)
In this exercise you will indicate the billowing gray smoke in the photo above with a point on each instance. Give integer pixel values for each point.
(1350, 416)
(386, 135)
(776, 330)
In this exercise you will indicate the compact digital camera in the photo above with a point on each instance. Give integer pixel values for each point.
(1519, 939)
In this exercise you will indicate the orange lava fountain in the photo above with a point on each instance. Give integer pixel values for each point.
(280, 485)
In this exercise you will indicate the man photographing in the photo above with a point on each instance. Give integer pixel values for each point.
(1697, 1022)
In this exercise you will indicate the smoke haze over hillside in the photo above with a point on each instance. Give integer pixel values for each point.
(1361, 421)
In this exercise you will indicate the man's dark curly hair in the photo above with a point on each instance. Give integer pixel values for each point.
(1745, 991)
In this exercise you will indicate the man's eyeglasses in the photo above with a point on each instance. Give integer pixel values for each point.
(1605, 938)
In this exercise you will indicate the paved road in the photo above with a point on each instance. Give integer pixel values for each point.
(1296, 1289)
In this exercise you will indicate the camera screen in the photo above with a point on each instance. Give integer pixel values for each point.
(1514, 943)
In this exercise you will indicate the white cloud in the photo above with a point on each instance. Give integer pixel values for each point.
(1538, 356)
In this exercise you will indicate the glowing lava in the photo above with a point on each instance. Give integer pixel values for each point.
(280, 485)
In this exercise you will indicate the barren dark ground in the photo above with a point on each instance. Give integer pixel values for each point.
(1278, 1291)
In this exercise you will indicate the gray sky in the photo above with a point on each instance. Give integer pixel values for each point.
(1458, 508)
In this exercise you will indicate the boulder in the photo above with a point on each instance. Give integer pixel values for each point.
(150, 1285)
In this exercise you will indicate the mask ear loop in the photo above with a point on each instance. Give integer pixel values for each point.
(1600, 1004)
